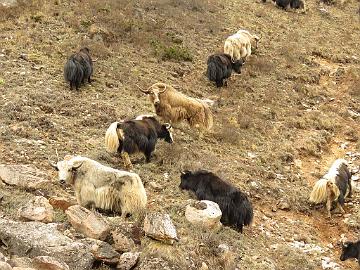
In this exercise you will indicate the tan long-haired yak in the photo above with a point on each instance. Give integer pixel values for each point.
(103, 187)
(334, 186)
(174, 107)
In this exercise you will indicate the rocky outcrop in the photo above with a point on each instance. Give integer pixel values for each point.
(25, 176)
(49, 263)
(34, 239)
(128, 260)
(86, 222)
(205, 213)
(122, 243)
(61, 203)
(160, 227)
(37, 209)
(102, 251)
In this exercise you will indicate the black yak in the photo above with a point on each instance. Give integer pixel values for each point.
(334, 186)
(140, 134)
(236, 208)
(78, 68)
(220, 68)
(295, 4)
(350, 250)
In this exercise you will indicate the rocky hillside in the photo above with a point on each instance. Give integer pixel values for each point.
(277, 128)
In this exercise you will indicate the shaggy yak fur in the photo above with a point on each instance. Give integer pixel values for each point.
(103, 187)
(350, 250)
(78, 68)
(239, 45)
(220, 68)
(140, 134)
(285, 4)
(236, 208)
(334, 186)
(174, 107)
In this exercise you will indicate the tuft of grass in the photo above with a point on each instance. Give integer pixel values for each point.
(171, 52)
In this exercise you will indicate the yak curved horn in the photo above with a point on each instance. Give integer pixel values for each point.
(144, 91)
(164, 89)
(167, 125)
(78, 166)
(52, 164)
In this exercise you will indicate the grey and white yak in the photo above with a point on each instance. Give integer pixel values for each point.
(102, 187)
(334, 186)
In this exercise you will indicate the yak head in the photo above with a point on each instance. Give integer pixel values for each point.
(66, 169)
(349, 250)
(85, 50)
(236, 65)
(154, 92)
(166, 130)
(185, 180)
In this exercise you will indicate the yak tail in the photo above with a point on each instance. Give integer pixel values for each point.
(318, 194)
(229, 49)
(112, 138)
(73, 71)
(208, 121)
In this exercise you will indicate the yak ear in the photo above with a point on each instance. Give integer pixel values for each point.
(52, 164)
(185, 172)
(346, 244)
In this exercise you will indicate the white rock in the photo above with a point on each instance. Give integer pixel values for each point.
(160, 227)
(37, 209)
(204, 213)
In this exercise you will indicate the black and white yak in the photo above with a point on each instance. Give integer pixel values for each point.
(78, 68)
(237, 210)
(138, 135)
(285, 4)
(350, 250)
(220, 67)
(334, 186)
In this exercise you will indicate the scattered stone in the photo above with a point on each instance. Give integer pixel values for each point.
(49, 263)
(8, 3)
(223, 248)
(61, 202)
(155, 186)
(5, 266)
(102, 251)
(34, 239)
(121, 242)
(327, 264)
(204, 213)
(283, 205)
(204, 266)
(21, 262)
(128, 260)
(86, 222)
(160, 227)
(37, 209)
(24, 176)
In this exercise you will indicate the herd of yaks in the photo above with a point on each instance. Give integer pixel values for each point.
(123, 192)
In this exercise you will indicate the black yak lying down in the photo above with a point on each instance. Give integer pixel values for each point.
(236, 208)
(295, 4)
(220, 67)
(350, 250)
(78, 68)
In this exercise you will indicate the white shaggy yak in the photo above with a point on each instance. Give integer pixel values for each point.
(174, 107)
(334, 186)
(103, 187)
(239, 45)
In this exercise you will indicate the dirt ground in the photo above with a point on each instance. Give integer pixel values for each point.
(278, 126)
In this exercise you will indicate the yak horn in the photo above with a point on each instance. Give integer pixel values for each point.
(164, 89)
(78, 166)
(144, 91)
(53, 165)
(167, 125)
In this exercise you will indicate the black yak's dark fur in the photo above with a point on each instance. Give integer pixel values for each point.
(142, 135)
(78, 68)
(236, 208)
(350, 250)
(295, 4)
(343, 182)
(220, 67)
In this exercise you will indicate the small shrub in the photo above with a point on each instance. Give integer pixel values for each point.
(172, 52)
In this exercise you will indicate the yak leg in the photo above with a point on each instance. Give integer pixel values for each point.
(126, 159)
(328, 206)
(340, 207)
